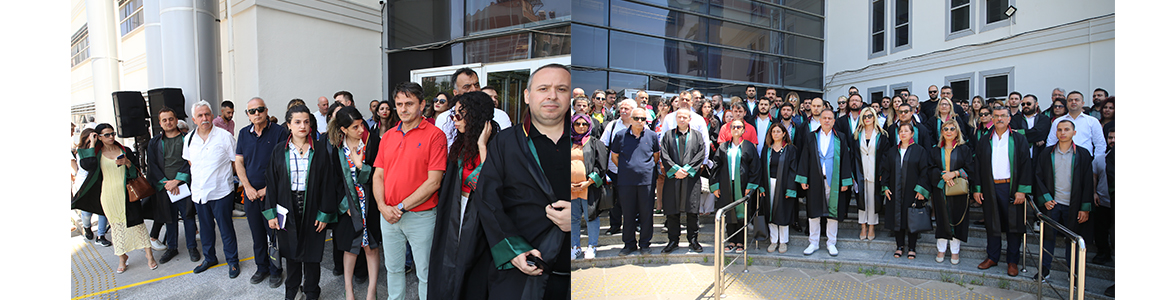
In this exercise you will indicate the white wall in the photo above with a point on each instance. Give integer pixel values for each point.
(1075, 57)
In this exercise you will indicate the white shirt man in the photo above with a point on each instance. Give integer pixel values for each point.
(670, 122)
(322, 106)
(211, 164)
(1088, 128)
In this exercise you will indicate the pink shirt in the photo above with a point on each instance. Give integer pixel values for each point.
(228, 125)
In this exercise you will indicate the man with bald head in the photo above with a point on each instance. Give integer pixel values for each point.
(253, 151)
(578, 92)
(635, 151)
(322, 107)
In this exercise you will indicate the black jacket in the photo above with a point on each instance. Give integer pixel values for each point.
(89, 197)
(299, 240)
(158, 207)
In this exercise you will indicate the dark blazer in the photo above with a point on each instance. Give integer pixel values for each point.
(921, 133)
(1082, 185)
(89, 197)
(983, 181)
(904, 177)
(159, 206)
(596, 162)
(809, 172)
(299, 240)
(673, 160)
(348, 228)
(1038, 133)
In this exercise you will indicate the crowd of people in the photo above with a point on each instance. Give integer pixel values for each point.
(477, 203)
(892, 158)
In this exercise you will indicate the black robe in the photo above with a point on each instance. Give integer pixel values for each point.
(596, 162)
(921, 133)
(1039, 131)
(1082, 186)
(347, 230)
(779, 210)
(509, 200)
(882, 144)
(934, 124)
(89, 197)
(809, 172)
(952, 213)
(299, 240)
(681, 195)
(983, 182)
(904, 177)
(747, 176)
(158, 206)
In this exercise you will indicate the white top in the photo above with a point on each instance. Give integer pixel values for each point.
(762, 125)
(211, 164)
(321, 123)
(501, 118)
(79, 178)
(1000, 167)
(697, 123)
(733, 151)
(1089, 133)
(298, 167)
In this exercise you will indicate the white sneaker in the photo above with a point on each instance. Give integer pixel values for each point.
(157, 245)
(590, 252)
(237, 213)
(811, 248)
(575, 252)
(833, 250)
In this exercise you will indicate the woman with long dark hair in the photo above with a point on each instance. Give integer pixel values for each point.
(88, 135)
(384, 118)
(110, 166)
(982, 123)
(458, 253)
(357, 228)
(954, 159)
(905, 177)
(299, 181)
(778, 167)
(1058, 109)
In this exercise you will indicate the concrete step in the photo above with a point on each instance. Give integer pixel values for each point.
(862, 261)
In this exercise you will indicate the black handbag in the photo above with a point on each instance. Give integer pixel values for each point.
(273, 249)
(918, 218)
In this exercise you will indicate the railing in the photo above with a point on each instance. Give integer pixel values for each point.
(720, 239)
(1076, 268)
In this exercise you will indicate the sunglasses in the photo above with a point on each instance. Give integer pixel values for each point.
(640, 119)
(457, 116)
(440, 101)
(108, 134)
(580, 124)
(599, 98)
(904, 111)
(256, 110)
(1026, 104)
(1059, 106)
(949, 129)
(840, 102)
(932, 92)
(984, 114)
(867, 117)
(737, 127)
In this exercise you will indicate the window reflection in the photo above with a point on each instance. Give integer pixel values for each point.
(492, 14)
(497, 49)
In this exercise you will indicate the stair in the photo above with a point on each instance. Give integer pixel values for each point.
(865, 256)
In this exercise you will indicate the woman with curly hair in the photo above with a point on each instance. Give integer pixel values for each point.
(458, 252)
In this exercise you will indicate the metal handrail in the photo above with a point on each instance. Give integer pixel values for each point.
(719, 240)
(1076, 268)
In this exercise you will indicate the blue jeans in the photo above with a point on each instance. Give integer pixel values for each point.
(419, 229)
(88, 223)
(258, 226)
(581, 211)
(179, 208)
(218, 211)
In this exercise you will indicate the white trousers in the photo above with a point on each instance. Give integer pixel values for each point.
(868, 216)
(942, 245)
(778, 233)
(708, 203)
(814, 231)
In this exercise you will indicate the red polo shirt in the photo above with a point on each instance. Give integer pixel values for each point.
(407, 157)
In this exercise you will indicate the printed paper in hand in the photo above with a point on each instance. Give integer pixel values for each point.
(281, 213)
(184, 192)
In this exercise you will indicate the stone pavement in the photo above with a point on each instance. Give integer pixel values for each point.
(696, 281)
(92, 275)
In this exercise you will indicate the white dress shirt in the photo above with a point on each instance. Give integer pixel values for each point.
(211, 164)
(322, 125)
(762, 125)
(1000, 162)
(501, 118)
(1089, 133)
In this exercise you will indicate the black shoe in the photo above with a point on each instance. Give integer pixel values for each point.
(670, 247)
(337, 271)
(101, 240)
(696, 247)
(88, 234)
(194, 254)
(258, 277)
(409, 268)
(613, 231)
(360, 279)
(233, 272)
(644, 251)
(1034, 277)
(626, 251)
(167, 256)
(1109, 291)
(204, 266)
(1102, 259)
(274, 280)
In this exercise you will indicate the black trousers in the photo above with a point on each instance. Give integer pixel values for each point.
(311, 271)
(557, 287)
(674, 227)
(615, 213)
(639, 203)
(1103, 229)
(900, 237)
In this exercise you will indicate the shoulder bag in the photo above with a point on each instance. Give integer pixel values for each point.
(138, 188)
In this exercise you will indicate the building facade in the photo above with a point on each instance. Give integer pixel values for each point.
(973, 46)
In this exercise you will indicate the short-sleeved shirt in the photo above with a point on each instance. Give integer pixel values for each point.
(256, 150)
(211, 164)
(406, 157)
(635, 157)
(554, 158)
(229, 125)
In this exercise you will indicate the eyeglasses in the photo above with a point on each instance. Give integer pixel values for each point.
(256, 110)
(736, 126)
(108, 134)
(867, 117)
(1026, 104)
(949, 129)
(640, 119)
(440, 101)
(580, 124)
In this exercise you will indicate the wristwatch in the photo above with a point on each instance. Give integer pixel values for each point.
(400, 206)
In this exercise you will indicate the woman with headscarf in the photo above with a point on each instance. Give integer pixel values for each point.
(586, 168)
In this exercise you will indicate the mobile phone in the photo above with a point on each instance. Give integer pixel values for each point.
(536, 261)
(120, 156)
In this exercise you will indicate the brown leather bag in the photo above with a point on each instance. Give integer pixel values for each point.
(138, 188)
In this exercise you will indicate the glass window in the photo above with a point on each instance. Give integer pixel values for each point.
(79, 50)
(961, 89)
(745, 11)
(803, 74)
(699, 7)
(995, 9)
(729, 64)
(803, 23)
(799, 46)
(877, 27)
(743, 36)
(901, 23)
(654, 54)
(996, 86)
(589, 80)
(497, 49)
(592, 46)
(492, 14)
(592, 11)
(960, 15)
(657, 22)
(556, 41)
(812, 6)
(130, 13)
(620, 81)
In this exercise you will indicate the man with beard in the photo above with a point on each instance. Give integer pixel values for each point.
(806, 112)
(930, 105)
(761, 120)
(848, 123)
(1099, 96)
(785, 119)
(749, 98)
(905, 114)
(1034, 124)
